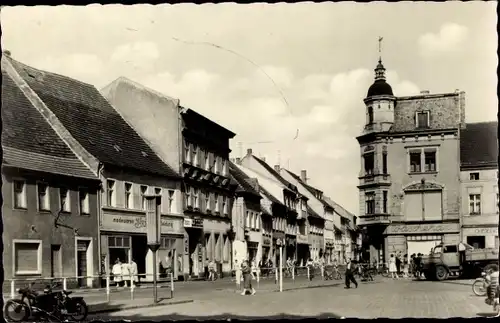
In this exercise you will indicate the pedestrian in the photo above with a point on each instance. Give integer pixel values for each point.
(211, 270)
(133, 271)
(398, 264)
(247, 278)
(322, 266)
(125, 274)
(392, 267)
(117, 272)
(461, 253)
(237, 274)
(349, 274)
(310, 267)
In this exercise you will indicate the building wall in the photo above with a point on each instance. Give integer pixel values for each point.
(154, 117)
(484, 224)
(30, 223)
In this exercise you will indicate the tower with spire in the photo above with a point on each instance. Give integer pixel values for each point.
(379, 101)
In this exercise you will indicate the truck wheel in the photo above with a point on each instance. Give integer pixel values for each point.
(441, 273)
(490, 268)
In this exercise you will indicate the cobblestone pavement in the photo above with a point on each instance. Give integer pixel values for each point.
(382, 298)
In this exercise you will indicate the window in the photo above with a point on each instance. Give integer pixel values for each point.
(43, 197)
(83, 197)
(195, 155)
(64, 199)
(196, 200)
(216, 203)
(430, 161)
(27, 257)
(370, 115)
(450, 249)
(474, 176)
(224, 167)
(187, 155)
(422, 119)
(207, 200)
(498, 202)
(111, 193)
(216, 165)
(384, 202)
(415, 166)
(144, 191)
(118, 242)
(369, 163)
(224, 204)
(474, 203)
(170, 201)
(370, 203)
(158, 192)
(19, 194)
(478, 242)
(128, 195)
(187, 195)
(206, 163)
(247, 220)
(384, 163)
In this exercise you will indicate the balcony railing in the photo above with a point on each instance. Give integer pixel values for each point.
(373, 179)
(374, 219)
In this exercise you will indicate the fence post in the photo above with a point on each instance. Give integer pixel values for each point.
(107, 288)
(293, 273)
(308, 273)
(322, 272)
(132, 286)
(171, 285)
(258, 277)
(276, 275)
(65, 283)
(12, 289)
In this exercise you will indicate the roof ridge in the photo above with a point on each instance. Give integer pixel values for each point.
(139, 86)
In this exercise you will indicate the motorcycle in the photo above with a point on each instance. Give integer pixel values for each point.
(493, 299)
(50, 306)
(480, 285)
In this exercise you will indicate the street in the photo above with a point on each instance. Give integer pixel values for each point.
(381, 298)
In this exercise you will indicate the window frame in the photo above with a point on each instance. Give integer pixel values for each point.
(216, 204)
(187, 196)
(171, 200)
(129, 195)
(47, 196)
(38, 271)
(111, 199)
(475, 202)
(366, 171)
(422, 151)
(143, 196)
(68, 197)
(428, 119)
(385, 202)
(372, 200)
(24, 194)
(87, 199)
(196, 198)
(472, 174)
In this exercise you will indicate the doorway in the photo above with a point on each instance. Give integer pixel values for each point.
(81, 261)
(478, 242)
(56, 261)
(139, 252)
(196, 256)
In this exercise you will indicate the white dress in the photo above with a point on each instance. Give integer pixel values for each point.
(392, 265)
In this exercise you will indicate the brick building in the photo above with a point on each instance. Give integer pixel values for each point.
(50, 201)
(197, 148)
(479, 184)
(127, 167)
(409, 181)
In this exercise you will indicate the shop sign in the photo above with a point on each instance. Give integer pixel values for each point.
(193, 223)
(266, 242)
(129, 223)
(422, 228)
(302, 239)
(480, 231)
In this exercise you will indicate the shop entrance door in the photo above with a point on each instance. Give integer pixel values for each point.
(81, 261)
(139, 252)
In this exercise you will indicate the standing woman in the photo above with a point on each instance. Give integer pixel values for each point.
(392, 267)
(247, 278)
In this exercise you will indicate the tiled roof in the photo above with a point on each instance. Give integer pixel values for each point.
(275, 174)
(29, 141)
(339, 209)
(242, 179)
(93, 122)
(479, 144)
(311, 189)
(312, 213)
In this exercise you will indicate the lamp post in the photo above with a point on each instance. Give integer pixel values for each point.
(153, 225)
(279, 243)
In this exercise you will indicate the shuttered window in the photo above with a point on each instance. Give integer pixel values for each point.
(27, 257)
(433, 209)
(413, 206)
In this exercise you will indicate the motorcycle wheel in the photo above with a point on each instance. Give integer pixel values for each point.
(82, 310)
(18, 307)
(479, 287)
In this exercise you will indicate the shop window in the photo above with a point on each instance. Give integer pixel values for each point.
(65, 200)
(118, 242)
(19, 194)
(208, 246)
(27, 257)
(43, 197)
(478, 242)
(83, 197)
(111, 198)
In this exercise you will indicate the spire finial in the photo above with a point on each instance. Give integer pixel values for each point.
(380, 48)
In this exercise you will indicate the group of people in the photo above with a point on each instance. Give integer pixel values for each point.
(125, 273)
(399, 266)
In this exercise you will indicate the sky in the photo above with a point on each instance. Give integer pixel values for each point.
(288, 79)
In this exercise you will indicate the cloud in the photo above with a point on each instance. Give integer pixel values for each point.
(449, 39)
(135, 52)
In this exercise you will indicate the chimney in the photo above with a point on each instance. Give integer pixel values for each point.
(238, 161)
(7, 53)
(424, 92)
(277, 168)
(303, 175)
(249, 151)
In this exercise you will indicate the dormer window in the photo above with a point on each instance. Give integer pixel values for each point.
(423, 119)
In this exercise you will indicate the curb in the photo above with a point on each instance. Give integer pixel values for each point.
(110, 310)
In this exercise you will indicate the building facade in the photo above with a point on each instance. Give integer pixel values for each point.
(409, 182)
(197, 148)
(479, 184)
(127, 167)
(50, 201)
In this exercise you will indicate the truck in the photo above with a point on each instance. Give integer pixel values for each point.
(444, 261)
